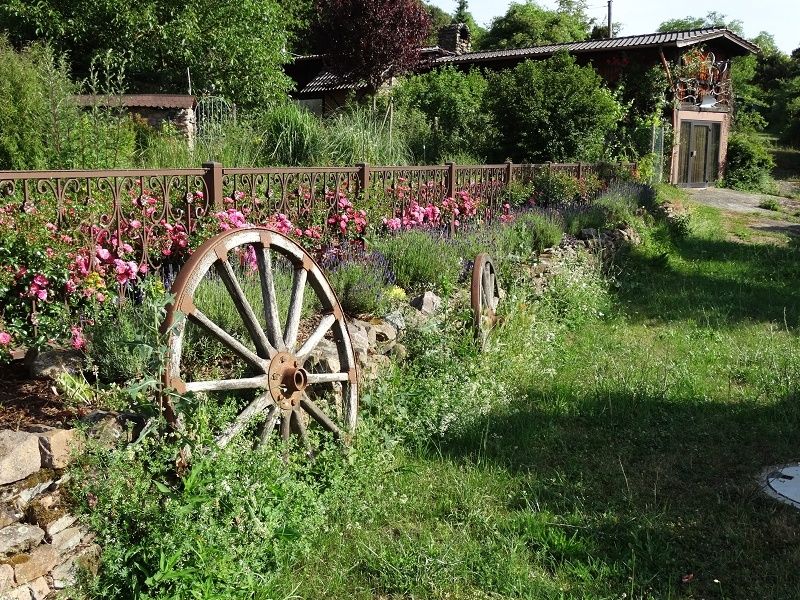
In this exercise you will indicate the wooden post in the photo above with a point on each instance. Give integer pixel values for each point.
(509, 172)
(451, 180)
(451, 191)
(213, 179)
(580, 170)
(363, 179)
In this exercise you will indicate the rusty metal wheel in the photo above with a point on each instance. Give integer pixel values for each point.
(485, 296)
(300, 378)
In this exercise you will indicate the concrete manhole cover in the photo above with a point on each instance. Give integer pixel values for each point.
(783, 483)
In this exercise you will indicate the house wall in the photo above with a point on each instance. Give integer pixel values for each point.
(696, 114)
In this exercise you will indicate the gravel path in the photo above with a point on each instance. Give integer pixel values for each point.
(745, 202)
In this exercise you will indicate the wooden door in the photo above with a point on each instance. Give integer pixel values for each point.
(699, 153)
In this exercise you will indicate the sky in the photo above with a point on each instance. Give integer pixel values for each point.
(781, 18)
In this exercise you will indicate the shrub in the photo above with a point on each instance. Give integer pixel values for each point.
(567, 115)
(451, 102)
(530, 232)
(769, 204)
(123, 347)
(554, 187)
(359, 280)
(517, 194)
(749, 164)
(420, 260)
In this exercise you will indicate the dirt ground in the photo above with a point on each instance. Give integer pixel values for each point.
(25, 401)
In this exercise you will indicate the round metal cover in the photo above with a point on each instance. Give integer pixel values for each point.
(783, 483)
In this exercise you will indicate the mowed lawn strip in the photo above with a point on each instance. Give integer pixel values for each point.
(624, 459)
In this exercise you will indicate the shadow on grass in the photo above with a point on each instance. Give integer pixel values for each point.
(653, 489)
(713, 282)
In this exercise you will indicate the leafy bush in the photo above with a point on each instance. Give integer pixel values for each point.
(554, 187)
(359, 280)
(749, 164)
(530, 232)
(517, 194)
(122, 347)
(451, 102)
(420, 260)
(769, 204)
(567, 115)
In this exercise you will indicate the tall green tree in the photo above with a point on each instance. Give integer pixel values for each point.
(528, 24)
(234, 49)
(551, 110)
(712, 19)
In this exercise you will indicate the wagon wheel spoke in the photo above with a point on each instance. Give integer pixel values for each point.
(328, 377)
(227, 385)
(196, 316)
(319, 416)
(269, 425)
(300, 429)
(254, 408)
(486, 288)
(264, 259)
(315, 338)
(228, 277)
(286, 423)
(295, 307)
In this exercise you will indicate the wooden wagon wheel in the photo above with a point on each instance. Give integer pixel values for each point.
(485, 295)
(287, 392)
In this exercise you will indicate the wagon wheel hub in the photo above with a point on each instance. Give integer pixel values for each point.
(287, 380)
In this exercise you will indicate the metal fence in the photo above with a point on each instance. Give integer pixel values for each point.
(141, 203)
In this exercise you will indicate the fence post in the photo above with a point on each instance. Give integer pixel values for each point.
(580, 170)
(451, 191)
(363, 177)
(213, 179)
(451, 180)
(509, 172)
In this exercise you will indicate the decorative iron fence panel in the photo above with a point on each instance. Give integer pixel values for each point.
(138, 206)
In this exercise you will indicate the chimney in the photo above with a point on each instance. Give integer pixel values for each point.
(455, 38)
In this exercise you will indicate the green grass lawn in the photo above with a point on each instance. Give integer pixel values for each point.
(606, 445)
(625, 461)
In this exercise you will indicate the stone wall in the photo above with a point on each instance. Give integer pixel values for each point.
(41, 543)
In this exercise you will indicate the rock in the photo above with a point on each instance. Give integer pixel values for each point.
(37, 563)
(64, 574)
(52, 363)
(22, 592)
(358, 337)
(58, 446)
(428, 303)
(39, 588)
(67, 539)
(373, 365)
(396, 320)
(60, 524)
(6, 577)
(9, 515)
(19, 538)
(384, 334)
(110, 428)
(15, 496)
(19, 455)
(587, 234)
